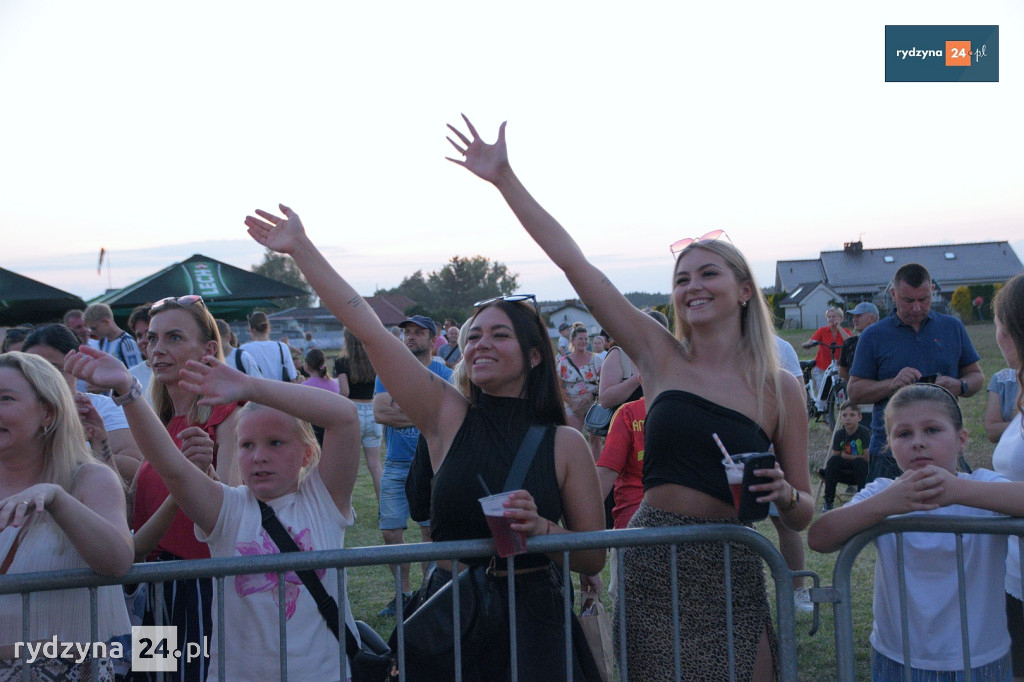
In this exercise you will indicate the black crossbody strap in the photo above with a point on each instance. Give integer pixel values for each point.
(324, 602)
(521, 464)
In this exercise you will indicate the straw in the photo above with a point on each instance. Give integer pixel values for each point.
(721, 447)
(484, 484)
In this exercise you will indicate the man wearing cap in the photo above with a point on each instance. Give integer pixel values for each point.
(563, 341)
(913, 344)
(401, 436)
(864, 315)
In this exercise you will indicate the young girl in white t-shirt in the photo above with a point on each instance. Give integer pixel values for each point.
(280, 464)
(926, 434)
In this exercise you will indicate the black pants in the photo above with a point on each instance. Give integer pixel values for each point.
(848, 471)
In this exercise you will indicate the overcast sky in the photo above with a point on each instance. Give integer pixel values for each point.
(152, 129)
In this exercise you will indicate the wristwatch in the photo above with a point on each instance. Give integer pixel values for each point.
(134, 392)
(963, 388)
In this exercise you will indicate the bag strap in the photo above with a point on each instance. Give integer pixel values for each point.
(569, 360)
(238, 361)
(284, 368)
(325, 603)
(9, 559)
(521, 464)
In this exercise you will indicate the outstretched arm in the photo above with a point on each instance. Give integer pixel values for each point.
(429, 401)
(339, 464)
(636, 332)
(197, 495)
(913, 491)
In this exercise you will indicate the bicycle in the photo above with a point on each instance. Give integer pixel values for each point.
(831, 393)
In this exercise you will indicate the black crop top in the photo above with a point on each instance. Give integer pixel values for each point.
(356, 391)
(486, 444)
(679, 448)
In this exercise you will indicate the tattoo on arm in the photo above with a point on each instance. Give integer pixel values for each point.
(104, 450)
(355, 301)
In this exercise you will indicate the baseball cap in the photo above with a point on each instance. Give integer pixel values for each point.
(563, 326)
(421, 321)
(864, 307)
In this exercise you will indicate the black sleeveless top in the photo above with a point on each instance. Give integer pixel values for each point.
(485, 445)
(679, 447)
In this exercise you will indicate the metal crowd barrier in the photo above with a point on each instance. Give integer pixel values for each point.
(218, 569)
(840, 592)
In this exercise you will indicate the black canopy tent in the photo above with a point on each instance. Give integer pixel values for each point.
(23, 299)
(228, 292)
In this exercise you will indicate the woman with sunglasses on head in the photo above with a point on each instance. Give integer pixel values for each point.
(513, 386)
(718, 374)
(182, 329)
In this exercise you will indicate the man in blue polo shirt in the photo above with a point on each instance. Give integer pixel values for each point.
(913, 344)
(401, 437)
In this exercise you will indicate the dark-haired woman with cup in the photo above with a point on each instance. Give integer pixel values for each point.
(719, 374)
(472, 442)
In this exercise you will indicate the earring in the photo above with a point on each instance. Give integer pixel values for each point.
(45, 431)
(743, 303)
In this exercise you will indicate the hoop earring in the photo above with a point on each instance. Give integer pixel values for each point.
(46, 430)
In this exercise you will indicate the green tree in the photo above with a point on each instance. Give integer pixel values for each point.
(452, 290)
(281, 267)
(962, 303)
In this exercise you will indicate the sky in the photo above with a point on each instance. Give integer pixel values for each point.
(152, 129)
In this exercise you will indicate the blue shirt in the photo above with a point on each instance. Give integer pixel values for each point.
(402, 442)
(940, 346)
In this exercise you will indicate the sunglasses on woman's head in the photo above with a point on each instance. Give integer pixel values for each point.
(677, 247)
(191, 299)
(511, 298)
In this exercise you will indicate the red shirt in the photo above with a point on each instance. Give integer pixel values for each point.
(624, 452)
(825, 354)
(151, 492)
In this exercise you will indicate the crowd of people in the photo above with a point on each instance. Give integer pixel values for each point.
(168, 441)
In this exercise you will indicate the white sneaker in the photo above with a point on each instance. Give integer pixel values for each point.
(802, 600)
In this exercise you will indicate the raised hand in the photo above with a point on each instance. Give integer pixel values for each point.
(488, 161)
(98, 368)
(282, 235)
(215, 381)
(91, 420)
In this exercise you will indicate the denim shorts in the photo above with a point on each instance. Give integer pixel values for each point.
(885, 669)
(394, 505)
(370, 430)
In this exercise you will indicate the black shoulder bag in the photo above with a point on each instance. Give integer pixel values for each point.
(430, 630)
(370, 662)
(284, 368)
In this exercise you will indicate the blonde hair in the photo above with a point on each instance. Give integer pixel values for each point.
(758, 352)
(97, 312)
(63, 443)
(303, 430)
(460, 375)
(161, 399)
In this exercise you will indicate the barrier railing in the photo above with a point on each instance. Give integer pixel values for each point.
(220, 568)
(840, 594)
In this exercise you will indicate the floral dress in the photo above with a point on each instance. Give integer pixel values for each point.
(580, 382)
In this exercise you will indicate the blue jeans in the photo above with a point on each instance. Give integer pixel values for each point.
(394, 505)
(884, 669)
(883, 466)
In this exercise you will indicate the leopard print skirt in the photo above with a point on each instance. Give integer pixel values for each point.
(700, 573)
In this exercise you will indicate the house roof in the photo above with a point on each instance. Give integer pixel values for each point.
(950, 265)
(789, 274)
(389, 308)
(804, 290)
(869, 271)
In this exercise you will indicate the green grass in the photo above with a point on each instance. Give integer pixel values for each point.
(370, 588)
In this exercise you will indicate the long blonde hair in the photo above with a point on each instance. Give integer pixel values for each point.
(162, 405)
(758, 352)
(63, 444)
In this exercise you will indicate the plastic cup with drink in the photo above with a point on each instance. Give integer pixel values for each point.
(508, 542)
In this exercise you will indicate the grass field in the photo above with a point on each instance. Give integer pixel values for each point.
(370, 588)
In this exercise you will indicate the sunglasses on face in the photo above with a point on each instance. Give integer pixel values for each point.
(511, 298)
(185, 301)
(677, 247)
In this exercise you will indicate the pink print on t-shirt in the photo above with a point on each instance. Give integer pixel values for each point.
(267, 582)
